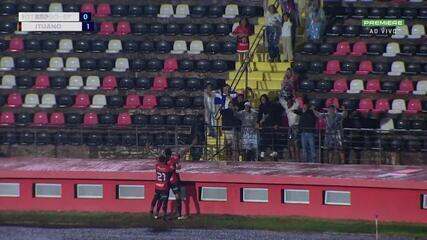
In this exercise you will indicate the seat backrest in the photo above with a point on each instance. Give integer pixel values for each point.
(109, 82)
(88, 8)
(360, 48)
(341, 84)
(401, 30)
(382, 104)
(40, 118)
(75, 81)
(182, 10)
(366, 104)
(16, 44)
(343, 48)
(414, 105)
(398, 66)
(166, 10)
(32, 99)
(8, 80)
(180, 45)
(406, 85)
(124, 119)
(422, 85)
(42, 81)
(56, 62)
(333, 65)
(170, 65)
(99, 100)
(103, 10)
(115, 45)
(49, 99)
(82, 100)
(149, 101)
(365, 65)
(133, 101)
(398, 104)
(92, 81)
(196, 46)
(7, 118)
(14, 100)
(90, 118)
(123, 28)
(72, 62)
(57, 118)
(393, 47)
(106, 28)
(160, 83)
(356, 85)
(232, 10)
(122, 63)
(418, 29)
(373, 85)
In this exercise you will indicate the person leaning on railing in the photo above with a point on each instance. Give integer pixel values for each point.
(307, 124)
(249, 130)
(334, 132)
(290, 105)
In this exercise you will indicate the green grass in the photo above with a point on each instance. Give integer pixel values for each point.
(126, 220)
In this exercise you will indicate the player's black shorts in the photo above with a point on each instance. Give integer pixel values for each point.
(162, 194)
(176, 188)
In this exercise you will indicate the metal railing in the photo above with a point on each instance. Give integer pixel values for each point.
(244, 67)
(352, 146)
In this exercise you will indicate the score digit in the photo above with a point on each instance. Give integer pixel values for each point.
(85, 17)
(88, 26)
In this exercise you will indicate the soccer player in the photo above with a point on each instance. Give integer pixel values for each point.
(163, 175)
(175, 181)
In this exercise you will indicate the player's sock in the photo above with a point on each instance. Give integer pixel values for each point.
(179, 207)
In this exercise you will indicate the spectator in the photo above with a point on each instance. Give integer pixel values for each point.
(334, 132)
(273, 22)
(269, 118)
(240, 101)
(290, 105)
(225, 97)
(288, 84)
(249, 126)
(289, 8)
(315, 21)
(286, 38)
(230, 130)
(198, 139)
(210, 109)
(307, 123)
(265, 128)
(242, 33)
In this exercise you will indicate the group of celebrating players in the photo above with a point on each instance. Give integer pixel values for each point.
(167, 179)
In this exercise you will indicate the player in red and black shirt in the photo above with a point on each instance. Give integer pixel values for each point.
(163, 175)
(175, 181)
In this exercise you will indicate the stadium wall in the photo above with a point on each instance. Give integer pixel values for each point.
(390, 200)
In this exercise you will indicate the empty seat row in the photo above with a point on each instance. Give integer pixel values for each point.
(120, 64)
(109, 82)
(341, 85)
(83, 100)
(379, 12)
(400, 32)
(372, 86)
(365, 67)
(91, 119)
(94, 138)
(360, 48)
(17, 44)
(120, 10)
(382, 105)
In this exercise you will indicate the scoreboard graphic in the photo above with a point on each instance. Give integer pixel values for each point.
(55, 22)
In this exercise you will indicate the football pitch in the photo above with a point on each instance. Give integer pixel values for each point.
(130, 226)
